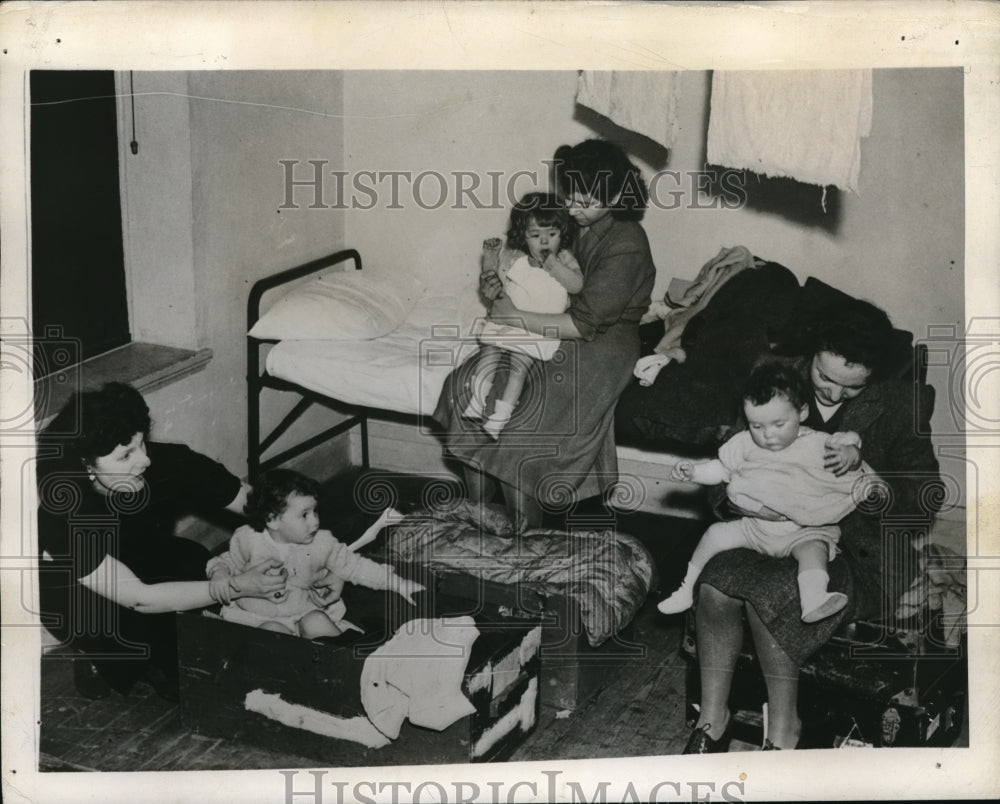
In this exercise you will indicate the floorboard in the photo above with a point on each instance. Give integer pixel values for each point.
(639, 713)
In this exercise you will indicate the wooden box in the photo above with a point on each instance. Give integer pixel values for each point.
(221, 662)
(572, 671)
(871, 686)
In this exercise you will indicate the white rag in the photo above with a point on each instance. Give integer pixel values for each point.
(418, 675)
(644, 101)
(802, 124)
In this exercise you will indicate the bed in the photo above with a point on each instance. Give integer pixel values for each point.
(390, 345)
(374, 346)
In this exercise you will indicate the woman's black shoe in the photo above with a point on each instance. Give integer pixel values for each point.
(701, 743)
(163, 684)
(88, 681)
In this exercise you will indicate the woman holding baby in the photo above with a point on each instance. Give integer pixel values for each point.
(847, 370)
(559, 435)
(112, 573)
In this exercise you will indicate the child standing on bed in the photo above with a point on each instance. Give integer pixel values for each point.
(776, 470)
(284, 525)
(537, 273)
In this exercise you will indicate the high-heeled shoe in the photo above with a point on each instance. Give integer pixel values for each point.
(701, 743)
(88, 681)
(769, 746)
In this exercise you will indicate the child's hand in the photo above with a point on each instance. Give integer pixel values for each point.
(220, 589)
(406, 589)
(683, 471)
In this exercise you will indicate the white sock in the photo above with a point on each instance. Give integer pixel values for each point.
(498, 419)
(477, 402)
(683, 598)
(817, 602)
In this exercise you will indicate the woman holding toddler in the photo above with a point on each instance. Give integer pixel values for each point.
(560, 431)
(847, 372)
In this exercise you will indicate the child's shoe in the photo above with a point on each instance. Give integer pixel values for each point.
(817, 602)
(828, 605)
(498, 419)
(679, 601)
(683, 598)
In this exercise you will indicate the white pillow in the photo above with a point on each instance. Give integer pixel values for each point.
(341, 306)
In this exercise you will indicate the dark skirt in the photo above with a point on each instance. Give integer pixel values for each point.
(561, 432)
(770, 585)
(120, 641)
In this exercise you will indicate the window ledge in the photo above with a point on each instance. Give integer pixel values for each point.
(145, 366)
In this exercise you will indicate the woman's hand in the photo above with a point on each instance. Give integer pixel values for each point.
(320, 591)
(841, 458)
(503, 308)
(490, 285)
(264, 579)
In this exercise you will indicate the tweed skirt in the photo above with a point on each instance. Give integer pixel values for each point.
(770, 585)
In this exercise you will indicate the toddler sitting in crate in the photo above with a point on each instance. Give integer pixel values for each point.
(284, 525)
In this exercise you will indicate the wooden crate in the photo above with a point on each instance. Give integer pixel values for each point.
(572, 670)
(221, 662)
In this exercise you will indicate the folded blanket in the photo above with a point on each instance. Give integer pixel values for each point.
(939, 588)
(608, 574)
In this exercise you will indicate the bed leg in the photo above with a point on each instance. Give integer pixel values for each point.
(364, 442)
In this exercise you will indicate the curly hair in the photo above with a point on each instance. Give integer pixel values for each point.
(772, 379)
(857, 331)
(545, 210)
(602, 171)
(92, 423)
(269, 497)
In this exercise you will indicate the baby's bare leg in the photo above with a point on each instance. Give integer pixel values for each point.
(272, 625)
(317, 624)
(520, 365)
(487, 360)
(720, 537)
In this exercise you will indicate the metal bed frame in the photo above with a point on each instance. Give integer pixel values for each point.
(258, 380)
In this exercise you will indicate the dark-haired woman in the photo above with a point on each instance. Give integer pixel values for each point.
(112, 572)
(560, 434)
(849, 356)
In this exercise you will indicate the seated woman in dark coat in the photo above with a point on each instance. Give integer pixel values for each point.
(112, 572)
(846, 368)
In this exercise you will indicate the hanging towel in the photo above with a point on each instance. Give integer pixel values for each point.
(641, 101)
(802, 124)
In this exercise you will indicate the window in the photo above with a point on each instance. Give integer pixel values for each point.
(77, 261)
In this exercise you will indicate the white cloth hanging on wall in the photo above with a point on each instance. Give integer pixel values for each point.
(802, 124)
(643, 101)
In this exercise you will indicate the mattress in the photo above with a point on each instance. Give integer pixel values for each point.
(402, 372)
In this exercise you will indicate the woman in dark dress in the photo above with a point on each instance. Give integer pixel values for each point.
(560, 435)
(849, 352)
(112, 572)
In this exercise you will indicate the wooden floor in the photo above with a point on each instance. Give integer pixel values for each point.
(639, 713)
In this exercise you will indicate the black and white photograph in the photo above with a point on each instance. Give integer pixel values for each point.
(303, 478)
